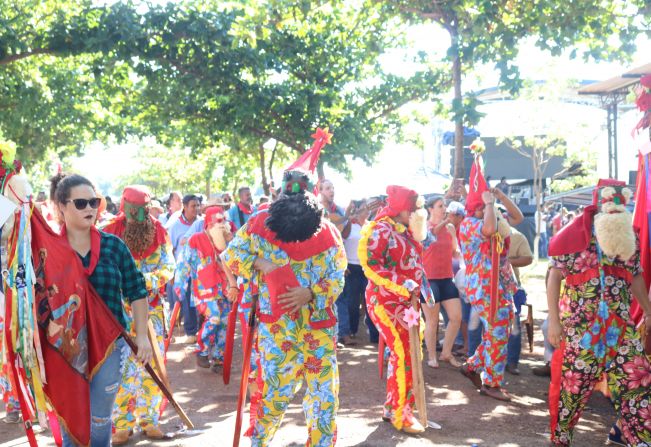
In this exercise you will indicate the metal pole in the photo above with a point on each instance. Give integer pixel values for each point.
(614, 106)
(610, 140)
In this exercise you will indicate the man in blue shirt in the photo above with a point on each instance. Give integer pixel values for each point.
(240, 213)
(177, 232)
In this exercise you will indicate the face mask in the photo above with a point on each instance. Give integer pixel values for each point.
(136, 213)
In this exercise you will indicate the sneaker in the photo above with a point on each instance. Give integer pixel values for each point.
(542, 371)
(512, 369)
(203, 361)
(347, 340)
(13, 417)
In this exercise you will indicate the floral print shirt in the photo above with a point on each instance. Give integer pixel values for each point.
(323, 273)
(593, 317)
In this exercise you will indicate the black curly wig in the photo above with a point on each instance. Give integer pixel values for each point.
(295, 217)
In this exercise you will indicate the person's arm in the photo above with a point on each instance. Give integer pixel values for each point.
(455, 243)
(638, 287)
(372, 250)
(521, 261)
(134, 290)
(185, 270)
(522, 255)
(515, 215)
(241, 257)
(554, 330)
(489, 227)
(164, 271)
(345, 231)
(140, 309)
(233, 291)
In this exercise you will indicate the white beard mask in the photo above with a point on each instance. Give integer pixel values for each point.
(615, 234)
(217, 234)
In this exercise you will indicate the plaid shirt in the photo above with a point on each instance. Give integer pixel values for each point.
(116, 276)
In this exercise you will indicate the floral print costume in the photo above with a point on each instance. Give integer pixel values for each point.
(490, 356)
(294, 347)
(139, 398)
(392, 262)
(599, 336)
(199, 262)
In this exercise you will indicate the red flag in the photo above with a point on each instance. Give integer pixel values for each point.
(308, 161)
(74, 343)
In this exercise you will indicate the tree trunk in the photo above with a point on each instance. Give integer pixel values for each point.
(459, 165)
(263, 171)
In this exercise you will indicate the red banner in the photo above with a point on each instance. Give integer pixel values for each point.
(75, 326)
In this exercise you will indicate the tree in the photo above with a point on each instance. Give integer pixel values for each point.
(490, 31)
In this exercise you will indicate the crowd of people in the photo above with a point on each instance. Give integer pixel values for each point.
(311, 271)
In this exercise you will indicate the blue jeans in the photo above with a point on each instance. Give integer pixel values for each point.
(190, 321)
(543, 245)
(103, 389)
(514, 345)
(475, 332)
(349, 300)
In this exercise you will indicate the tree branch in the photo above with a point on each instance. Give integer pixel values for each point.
(16, 57)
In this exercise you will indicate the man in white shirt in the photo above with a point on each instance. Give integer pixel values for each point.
(348, 303)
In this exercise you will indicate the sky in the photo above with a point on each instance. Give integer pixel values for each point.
(506, 118)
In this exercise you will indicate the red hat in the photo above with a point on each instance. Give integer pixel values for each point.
(136, 195)
(604, 182)
(399, 199)
(214, 214)
(477, 186)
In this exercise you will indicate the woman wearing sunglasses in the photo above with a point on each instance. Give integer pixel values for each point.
(113, 273)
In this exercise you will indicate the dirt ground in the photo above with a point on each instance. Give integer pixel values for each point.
(466, 417)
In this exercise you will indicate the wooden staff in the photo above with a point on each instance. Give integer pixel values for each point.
(380, 355)
(418, 381)
(159, 360)
(230, 341)
(175, 314)
(246, 364)
(165, 390)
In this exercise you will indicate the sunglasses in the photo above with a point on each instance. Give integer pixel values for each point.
(81, 204)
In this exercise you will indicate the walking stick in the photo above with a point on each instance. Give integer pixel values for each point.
(380, 355)
(175, 314)
(159, 360)
(418, 381)
(529, 327)
(230, 341)
(246, 364)
(165, 390)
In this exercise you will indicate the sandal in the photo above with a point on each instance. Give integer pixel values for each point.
(433, 363)
(451, 360)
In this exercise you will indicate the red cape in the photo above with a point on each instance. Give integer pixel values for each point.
(325, 238)
(118, 225)
(575, 236)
